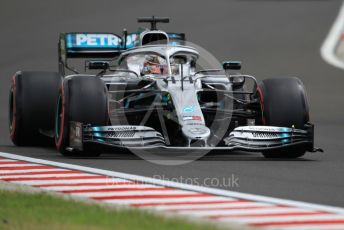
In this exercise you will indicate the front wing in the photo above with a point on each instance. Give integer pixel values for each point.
(245, 138)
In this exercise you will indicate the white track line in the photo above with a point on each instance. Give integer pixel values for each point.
(210, 206)
(166, 200)
(46, 176)
(143, 179)
(17, 165)
(309, 227)
(263, 210)
(329, 46)
(91, 187)
(7, 160)
(4, 172)
(278, 219)
(44, 182)
(134, 193)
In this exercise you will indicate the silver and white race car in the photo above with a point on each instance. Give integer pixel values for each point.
(147, 90)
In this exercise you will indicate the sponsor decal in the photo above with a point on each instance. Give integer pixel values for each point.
(265, 129)
(113, 128)
(198, 131)
(267, 135)
(189, 109)
(111, 135)
(192, 118)
(124, 128)
(190, 123)
(85, 40)
(196, 118)
(131, 40)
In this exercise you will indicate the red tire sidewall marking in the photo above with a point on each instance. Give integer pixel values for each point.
(14, 108)
(108, 109)
(261, 100)
(61, 131)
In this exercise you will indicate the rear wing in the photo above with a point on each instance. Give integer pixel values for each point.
(92, 44)
(100, 45)
(95, 45)
(87, 45)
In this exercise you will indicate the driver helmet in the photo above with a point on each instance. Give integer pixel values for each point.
(152, 65)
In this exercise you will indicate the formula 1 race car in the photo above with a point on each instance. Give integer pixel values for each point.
(146, 90)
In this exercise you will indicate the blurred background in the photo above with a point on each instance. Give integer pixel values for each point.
(271, 38)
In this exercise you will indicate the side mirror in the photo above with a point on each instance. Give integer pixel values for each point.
(98, 65)
(231, 65)
(237, 81)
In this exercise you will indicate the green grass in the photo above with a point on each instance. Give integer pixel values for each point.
(20, 210)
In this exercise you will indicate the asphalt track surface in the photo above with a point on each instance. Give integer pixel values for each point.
(271, 38)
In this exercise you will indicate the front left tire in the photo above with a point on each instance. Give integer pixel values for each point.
(284, 104)
(32, 100)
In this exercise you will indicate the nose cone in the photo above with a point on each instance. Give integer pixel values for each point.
(196, 132)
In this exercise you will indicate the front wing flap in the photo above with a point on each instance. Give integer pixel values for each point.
(117, 136)
(261, 138)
